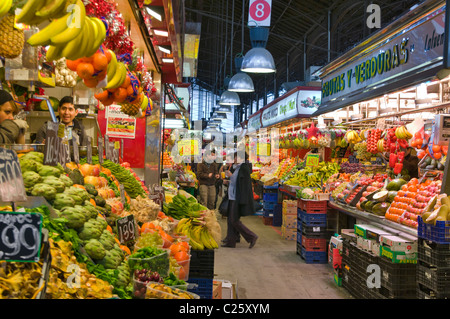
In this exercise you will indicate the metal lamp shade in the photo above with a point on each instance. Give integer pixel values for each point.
(241, 82)
(258, 60)
(229, 98)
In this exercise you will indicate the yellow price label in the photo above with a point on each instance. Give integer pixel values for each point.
(117, 145)
(188, 147)
(312, 160)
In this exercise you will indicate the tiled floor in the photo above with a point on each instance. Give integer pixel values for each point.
(272, 269)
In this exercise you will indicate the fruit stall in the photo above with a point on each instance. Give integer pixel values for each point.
(91, 223)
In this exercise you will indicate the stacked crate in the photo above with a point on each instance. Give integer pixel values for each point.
(201, 273)
(289, 219)
(270, 200)
(433, 269)
(378, 265)
(311, 231)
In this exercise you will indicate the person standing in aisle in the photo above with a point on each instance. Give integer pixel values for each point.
(66, 115)
(11, 130)
(241, 203)
(207, 174)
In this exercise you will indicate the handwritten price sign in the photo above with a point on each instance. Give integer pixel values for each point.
(312, 160)
(55, 150)
(20, 236)
(126, 229)
(12, 188)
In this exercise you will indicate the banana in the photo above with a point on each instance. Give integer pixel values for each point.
(75, 22)
(118, 77)
(50, 8)
(112, 66)
(92, 38)
(5, 7)
(74, 48)
(180, 224)
(100, 34)
(43, 37)
(54, 53)
(144, 102)
(205, 237)
(27, 15)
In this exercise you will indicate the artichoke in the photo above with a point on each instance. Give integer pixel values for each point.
(31, 178)
(90, 230)
(95, 249)
(45, 190)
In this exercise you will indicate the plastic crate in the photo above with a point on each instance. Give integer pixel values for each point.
(314, 244)
(312, 219)
(270, 197)
(398, 277)
(268, 213)
(423, 292)
(201, 264)
(437, 279)
(314, 257)
(312, 231)
(269, 205)
(313, 206)
(433, 254)
(203, 287)
(267, 220)
(271, 188)
(277, 215)
(439, 233)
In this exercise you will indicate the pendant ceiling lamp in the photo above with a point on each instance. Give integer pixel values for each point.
(229, 98)
(258, 59)
(240, 82)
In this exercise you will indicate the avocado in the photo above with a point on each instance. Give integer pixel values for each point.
(396, 184)
(391, 196)
(369, 205)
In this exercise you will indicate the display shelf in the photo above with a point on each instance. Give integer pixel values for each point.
(380, 221)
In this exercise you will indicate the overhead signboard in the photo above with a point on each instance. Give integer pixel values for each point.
(411, 55)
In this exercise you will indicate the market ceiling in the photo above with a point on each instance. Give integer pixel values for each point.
(292, 22)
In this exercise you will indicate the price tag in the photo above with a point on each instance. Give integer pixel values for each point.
(89, 150)
(12, 188)
(20, 235)
(20, 74)
(312, 160)
(117, 145)
(122, 194)
(115, 155)
(54, 151)
(126, 229)
(61, 130)
(100, 149)
(263, 149)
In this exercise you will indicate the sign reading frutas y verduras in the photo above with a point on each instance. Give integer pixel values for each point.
(20, 236)
(12, 188)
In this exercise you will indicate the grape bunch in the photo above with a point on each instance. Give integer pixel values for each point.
(348, 167)
(149, 240)
(361, 151)
(141, 278)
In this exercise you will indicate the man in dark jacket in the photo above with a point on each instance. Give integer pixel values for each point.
(241, 203)
(207, 174)
(67, 113)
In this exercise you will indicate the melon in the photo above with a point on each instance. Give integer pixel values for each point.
(380, 196)
(395, 184)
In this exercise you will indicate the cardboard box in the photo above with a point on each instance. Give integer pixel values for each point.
(217, 289)
(376, 248)
(369, 231)
(289, 207)
(289, 233)
(399, 243)
(364, 244)
(227, 290)
(289, 221)
(397, 256)
(349, 234)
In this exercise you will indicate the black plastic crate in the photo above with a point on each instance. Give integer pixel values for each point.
(277, 215)
(397, 277)
(201, 264)
(424, 292)
(312, 231)
(203, 287)
(435, 278)
(433, 254)
(398, 293)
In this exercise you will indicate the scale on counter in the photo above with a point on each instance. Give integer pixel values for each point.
(441, 129)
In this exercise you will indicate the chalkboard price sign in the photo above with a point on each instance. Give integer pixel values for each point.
(12, 188)
(20, 236)
(55, 150)
(126, 229)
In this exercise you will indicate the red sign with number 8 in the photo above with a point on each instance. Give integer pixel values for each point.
(259, 13)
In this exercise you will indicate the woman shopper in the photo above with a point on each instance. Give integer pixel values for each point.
(240, 196)
(11, 130)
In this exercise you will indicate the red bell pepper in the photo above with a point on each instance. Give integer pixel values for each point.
(400, 156)
(392, 160)
(403, 143)
(398, 168)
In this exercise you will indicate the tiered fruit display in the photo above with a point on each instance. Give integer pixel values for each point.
(438, 209)
(373, 137)
(313, 176)
(412, 201)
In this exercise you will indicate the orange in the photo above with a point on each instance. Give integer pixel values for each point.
(101, 96)
(125, 249)
(72, 64)
(184, 244)
(108, 101)
(112, 90)
(437, 155)
(120, 95)
(181, 257)
(148, 226)
(161, 215)
(100, 61)
(85, 70)
(436, 148)
(130, 90)
(165, 236)
(127, 82)
(182, 273)
(108, 54)
(90, 83)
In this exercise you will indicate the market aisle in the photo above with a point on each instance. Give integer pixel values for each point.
(272, 269)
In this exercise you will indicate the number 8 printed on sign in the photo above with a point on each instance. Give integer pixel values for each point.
(259, 13)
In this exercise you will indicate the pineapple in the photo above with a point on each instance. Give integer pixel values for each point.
(12, 40)
(131, 108)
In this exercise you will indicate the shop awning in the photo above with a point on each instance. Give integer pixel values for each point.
(407, 52)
